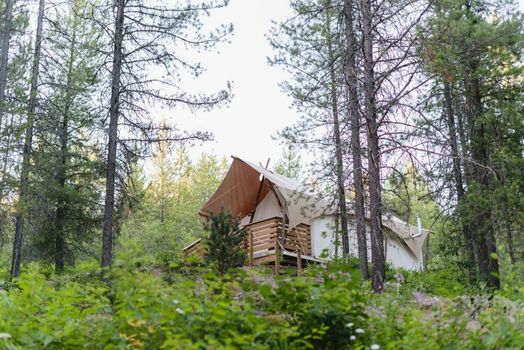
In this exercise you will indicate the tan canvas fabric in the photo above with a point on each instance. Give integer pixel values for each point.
(408, 233)
(240, 186)
(238, 191)
(268, 208)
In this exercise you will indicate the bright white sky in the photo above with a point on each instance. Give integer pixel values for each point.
(258, 108)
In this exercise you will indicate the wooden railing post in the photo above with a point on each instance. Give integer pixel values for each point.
(250, 248)
(277, 256)
(299, 263)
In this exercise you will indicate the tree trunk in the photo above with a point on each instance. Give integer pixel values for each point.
(107, 239)
(378, 273)
(28, 143)
(3, 184)
(61, 208)
(4, 55)
(486, 245)
(356, 149)
(509, 237)
(459, 183)
(341, 191)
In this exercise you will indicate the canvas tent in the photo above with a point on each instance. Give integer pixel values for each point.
(255, 194)
(251, 190)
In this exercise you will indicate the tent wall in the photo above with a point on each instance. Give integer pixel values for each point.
(323, 239)
(399, 257)
(267, 209)
(323, 236)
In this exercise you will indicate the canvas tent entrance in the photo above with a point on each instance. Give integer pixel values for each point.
(254, 194)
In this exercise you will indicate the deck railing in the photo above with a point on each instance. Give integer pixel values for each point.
(265, 240)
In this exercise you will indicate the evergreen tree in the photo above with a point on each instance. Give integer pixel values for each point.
(64, 194)
(289, 163)
(474, 55)
(225, 241)
(142, 37)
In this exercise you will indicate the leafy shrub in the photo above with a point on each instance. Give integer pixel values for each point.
(326, 306)
(193, 307)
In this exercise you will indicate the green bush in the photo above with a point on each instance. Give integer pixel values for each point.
(225, 240)
(326, 306)
(193, 307)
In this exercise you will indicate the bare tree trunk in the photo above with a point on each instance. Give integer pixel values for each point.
(356, 149)
(9, 130)
(341, 191)
(28, 143)
(4, 55)
(378, 273)
(107, 239)
(459, 183)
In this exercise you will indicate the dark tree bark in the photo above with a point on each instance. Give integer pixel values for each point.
(107, 239)
(61, 208)
(511, 247)
(356, 149)
(28, 143)
(481, 220)
(340, 173)
(459, 182)
(4, 54)
(378, 273)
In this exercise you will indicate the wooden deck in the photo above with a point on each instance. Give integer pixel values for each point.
(197, 249)
(270, 242)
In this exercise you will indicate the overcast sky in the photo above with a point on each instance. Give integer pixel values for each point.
(259, 109)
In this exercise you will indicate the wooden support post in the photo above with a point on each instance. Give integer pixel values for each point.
(277, 256)
(250, 248)
(299, 263)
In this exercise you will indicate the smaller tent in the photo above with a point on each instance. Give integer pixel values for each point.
(255, 194)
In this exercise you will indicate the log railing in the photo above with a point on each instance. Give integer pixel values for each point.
(265, 240)
(196, 249)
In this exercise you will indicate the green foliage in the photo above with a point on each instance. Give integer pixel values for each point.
(289, 163)
(476, 322)
(66, 171)
(160, 215)
(326, 306)
(199, 310)
(225, 241)
(148, 307)
(408, 196)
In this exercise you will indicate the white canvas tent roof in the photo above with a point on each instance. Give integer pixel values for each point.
(246, 185)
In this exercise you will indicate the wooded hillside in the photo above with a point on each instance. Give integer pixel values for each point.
(411, 108)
